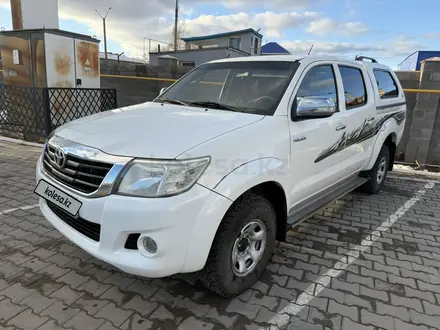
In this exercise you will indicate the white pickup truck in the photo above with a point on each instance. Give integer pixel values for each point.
(205, 178)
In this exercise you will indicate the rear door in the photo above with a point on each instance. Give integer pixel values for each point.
(360, 111)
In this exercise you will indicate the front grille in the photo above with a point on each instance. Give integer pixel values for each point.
(80, 174)
(89, 229)
(131, 243)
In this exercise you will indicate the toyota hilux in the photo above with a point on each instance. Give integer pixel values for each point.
(206, 177)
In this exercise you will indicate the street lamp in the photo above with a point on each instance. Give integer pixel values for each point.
(105, 32)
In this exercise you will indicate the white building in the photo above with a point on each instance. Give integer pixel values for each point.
(203, 49)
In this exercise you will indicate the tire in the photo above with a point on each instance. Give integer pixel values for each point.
(378, 172)
(220, 273)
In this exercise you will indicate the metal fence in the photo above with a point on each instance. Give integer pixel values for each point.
(32, 113)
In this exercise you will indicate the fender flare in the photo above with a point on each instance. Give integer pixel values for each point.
(252, 174)
(228, 190)
(390, 127)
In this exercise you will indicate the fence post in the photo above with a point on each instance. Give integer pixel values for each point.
(116, 98)
(46, 111)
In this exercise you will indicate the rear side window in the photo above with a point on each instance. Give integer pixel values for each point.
(386, 84)
(354, 87)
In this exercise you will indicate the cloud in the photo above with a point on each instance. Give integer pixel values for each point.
(327, 25)
(404, 45)
(272, 24)
(129, 24)
(399, 47)
(130, 21)
(432, 35)
(286, 4)
(126, 24)
(302, 47)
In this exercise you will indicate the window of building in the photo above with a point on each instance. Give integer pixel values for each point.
(187, 63)
(386, 84)
(354, 87)
(256, 45)
(235, 42)
(319, 81)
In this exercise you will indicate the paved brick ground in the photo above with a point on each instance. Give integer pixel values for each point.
(324, 278)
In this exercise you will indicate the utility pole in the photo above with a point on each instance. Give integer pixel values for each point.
(105, 30)
(176, 22)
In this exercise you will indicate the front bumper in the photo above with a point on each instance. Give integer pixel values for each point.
(183, 227)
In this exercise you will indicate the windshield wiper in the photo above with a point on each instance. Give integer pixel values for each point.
(215, 105)
(172, 101)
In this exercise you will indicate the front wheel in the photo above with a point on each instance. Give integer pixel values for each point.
(379, 172)
(242, 247)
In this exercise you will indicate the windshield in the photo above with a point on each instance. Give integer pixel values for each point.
(251, 87)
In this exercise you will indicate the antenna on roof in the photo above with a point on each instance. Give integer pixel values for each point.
(361, 58)
(310, 50)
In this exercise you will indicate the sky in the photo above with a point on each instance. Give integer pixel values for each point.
(388, 30)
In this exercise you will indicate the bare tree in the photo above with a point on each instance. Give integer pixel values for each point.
(180, 33)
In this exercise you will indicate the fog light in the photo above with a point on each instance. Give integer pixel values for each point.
(149, 244)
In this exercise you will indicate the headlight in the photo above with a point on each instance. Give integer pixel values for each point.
(150, 178)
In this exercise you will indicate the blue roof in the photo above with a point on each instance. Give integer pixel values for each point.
(414, 61)
(218, 35)
(273, 48)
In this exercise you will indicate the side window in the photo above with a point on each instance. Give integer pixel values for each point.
(386, 84)
(354, 87)
(235, 42)
(319, 81)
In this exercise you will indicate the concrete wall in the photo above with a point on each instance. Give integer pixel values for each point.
(421, 140)
(196, 55)
(423, 127)
(409, 80)
(429, 105)
(133, 91)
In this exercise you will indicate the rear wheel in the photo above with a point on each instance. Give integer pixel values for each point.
(242, 247)
(379, 172)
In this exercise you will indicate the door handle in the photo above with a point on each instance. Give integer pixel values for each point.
(370, 119)
(340, 128)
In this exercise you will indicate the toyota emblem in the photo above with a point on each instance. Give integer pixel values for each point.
(60, 158)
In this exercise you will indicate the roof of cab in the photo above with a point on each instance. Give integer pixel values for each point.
(304, 60)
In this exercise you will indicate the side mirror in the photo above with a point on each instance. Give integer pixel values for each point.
(163, 90)
(314, 107)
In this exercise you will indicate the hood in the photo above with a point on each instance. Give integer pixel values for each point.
(153, 130)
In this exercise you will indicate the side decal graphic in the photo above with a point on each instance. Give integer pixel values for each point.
(364, 132)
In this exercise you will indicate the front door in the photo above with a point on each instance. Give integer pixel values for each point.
(317, 144)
